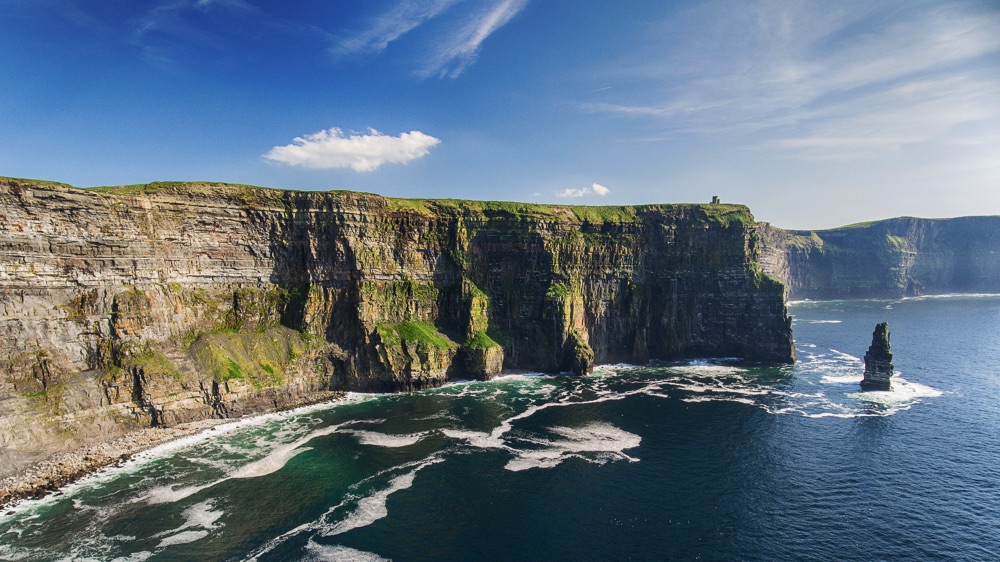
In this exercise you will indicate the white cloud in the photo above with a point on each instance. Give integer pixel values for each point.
(595, 189)
(359, 152)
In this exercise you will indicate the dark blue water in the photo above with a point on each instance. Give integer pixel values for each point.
(701, 460)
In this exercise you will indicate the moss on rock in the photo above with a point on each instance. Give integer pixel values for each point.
(257, 358)
(578, 357)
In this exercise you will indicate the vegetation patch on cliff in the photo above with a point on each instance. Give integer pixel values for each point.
(154, 364)
(413, 331)
(400, 300)
(257, 358)
(481, 341)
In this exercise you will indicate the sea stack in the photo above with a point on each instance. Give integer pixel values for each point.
(878, 360)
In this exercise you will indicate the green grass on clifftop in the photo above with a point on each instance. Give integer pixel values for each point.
(255, 196)
(720, 213)
(26, 181)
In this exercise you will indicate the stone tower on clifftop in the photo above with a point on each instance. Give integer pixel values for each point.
(878, 360)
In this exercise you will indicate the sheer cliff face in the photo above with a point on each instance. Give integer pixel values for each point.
(171, 302)
(886, 259)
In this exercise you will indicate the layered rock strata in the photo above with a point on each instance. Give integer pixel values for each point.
(159, 304)
(886, 259)
(878, 360)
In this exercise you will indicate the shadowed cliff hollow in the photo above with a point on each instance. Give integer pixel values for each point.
(168, 302)
(886, 259)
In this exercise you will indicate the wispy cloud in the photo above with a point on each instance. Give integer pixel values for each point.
(359, 152)
(839, 82)
(458, 51)
(893, 118)
(595, 189)
(405, 17)
(458, 34)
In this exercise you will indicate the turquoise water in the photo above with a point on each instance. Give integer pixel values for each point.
(695, 460)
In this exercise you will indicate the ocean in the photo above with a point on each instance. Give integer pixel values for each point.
(696, 460)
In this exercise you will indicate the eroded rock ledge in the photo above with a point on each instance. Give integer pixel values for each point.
(159, 304)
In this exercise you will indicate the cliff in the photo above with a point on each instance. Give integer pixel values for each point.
(162, 303)
(886, 259)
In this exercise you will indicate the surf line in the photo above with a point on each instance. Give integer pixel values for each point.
(269, 464)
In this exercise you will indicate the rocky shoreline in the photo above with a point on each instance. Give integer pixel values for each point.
(46, 477)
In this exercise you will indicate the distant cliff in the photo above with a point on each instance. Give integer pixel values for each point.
(886, 259)
(161, 303)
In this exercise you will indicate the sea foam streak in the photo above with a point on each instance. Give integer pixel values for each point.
(279, 457)
(274, 461)
(368, 508)
(336, 553)
(954, 296)
(592, 438)
(199, 520)
(372, 508)
(606, 440)
(385, 439)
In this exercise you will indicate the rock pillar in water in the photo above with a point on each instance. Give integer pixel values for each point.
(878, 360)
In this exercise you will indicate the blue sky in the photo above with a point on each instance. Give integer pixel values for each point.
(816, 114)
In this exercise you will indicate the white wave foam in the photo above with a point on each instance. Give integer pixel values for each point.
(704, 382)
(841, 379)
(323, 523)
(279, 457)
(139, 460)
(477, 439)
(199, 520)
(513, 377)
(337, 553)
(372, 508)
(954, 296)
(183, 537)
(606, 440)
(737, 399)
(134, 557)
(141, 556)
(708, 369)
(385, 439)
(233, 426)
(272, 462)
(167, 493)
(593, 438)
(846, 356)
(902, 392)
